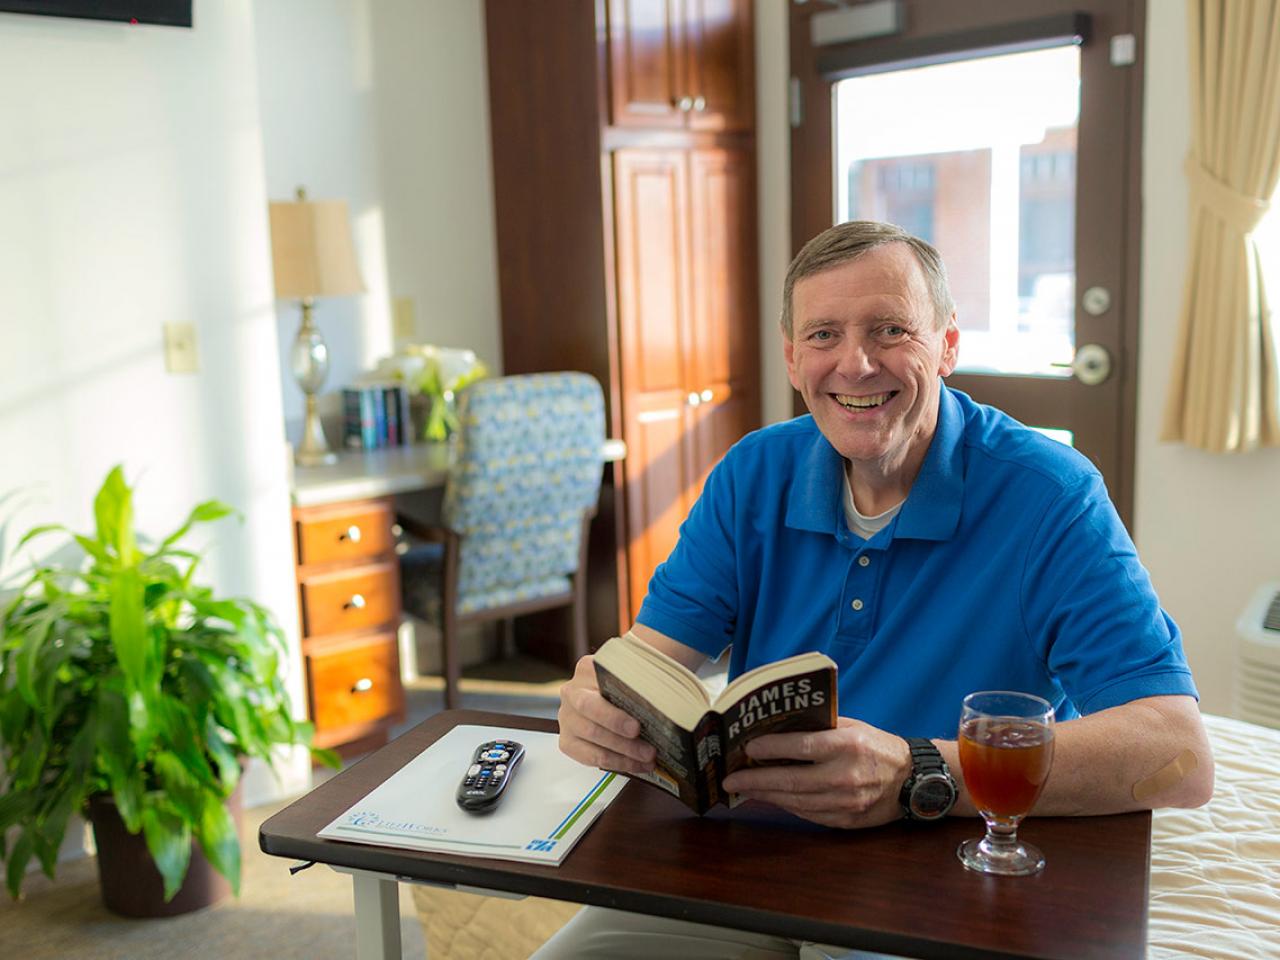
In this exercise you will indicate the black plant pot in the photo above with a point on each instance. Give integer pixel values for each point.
(131, 885)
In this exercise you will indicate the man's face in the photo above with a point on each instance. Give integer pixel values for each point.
(866, 352)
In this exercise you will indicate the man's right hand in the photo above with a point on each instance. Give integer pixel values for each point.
(594, 731)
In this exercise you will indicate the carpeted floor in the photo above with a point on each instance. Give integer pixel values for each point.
(277, 916)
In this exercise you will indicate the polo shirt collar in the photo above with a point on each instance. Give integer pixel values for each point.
(931, 510)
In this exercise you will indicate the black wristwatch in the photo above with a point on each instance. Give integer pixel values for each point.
(929, 792)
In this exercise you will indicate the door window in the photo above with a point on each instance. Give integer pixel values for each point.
(979, 158)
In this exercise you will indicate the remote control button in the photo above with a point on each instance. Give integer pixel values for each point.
(473, 770)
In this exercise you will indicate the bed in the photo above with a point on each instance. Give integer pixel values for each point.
(1215, 873)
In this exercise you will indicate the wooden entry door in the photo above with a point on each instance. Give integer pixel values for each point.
(1008, 133)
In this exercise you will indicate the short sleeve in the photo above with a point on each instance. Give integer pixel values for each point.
(693, 595)
(1090, 609)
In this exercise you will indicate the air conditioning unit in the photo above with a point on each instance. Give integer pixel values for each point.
(1258, 660)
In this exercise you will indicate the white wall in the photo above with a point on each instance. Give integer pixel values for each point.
(132, 194)
(773, 159)
(1207, 526)
(384, 103)
(319, 130)
(432, 102)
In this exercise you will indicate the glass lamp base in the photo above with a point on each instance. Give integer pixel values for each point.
(1006, 859)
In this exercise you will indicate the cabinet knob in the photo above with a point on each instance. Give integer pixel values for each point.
(694, 399)
(707, 395)
(685, 104)
(352, 533)
(357, 602)
(699, 104)
(363, 685)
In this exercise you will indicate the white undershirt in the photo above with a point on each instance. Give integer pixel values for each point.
(862, 525)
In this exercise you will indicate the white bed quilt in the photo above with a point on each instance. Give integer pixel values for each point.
(1215, 871)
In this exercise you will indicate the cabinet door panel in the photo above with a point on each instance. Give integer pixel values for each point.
(719, 62)
(723, 331)
(656, 469)
(651, 223)
(650, 187)
(646, 65)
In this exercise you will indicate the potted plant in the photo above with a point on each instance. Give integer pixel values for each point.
(128, 691)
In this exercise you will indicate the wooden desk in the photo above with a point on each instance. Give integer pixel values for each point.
(897, 889)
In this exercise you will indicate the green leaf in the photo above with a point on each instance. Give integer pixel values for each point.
(14, 807)
(128, 626)
(329, 758)
(36, 532)
(92, 548)
(168, 839)
(205, 512)
(219, 841)
(33, 640)
(19, 857)
(113, 510)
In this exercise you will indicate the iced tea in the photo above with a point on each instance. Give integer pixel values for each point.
(1005, 762)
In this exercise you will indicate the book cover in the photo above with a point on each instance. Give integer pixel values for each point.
(368, 424)
(351, 437)
(391, 402)
(550, 803)
(700, 741)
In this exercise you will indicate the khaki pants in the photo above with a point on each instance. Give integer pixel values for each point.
(596, 932)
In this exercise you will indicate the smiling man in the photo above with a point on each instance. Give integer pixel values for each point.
(931, 546)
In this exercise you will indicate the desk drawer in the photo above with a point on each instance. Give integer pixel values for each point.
(350, 532)
(355, 684)
(353, 599)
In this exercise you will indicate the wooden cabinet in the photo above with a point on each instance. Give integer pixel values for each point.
(349, 600)
(624, 186)
(681, 63)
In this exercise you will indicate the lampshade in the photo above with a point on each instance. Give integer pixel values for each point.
(311, 249)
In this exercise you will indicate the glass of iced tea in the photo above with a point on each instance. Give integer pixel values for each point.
(1006, 749)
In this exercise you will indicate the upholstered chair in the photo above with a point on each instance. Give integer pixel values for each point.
(521, 492)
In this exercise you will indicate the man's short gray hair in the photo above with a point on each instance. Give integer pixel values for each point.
(850, 240)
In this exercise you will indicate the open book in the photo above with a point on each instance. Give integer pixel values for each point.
(701, 740)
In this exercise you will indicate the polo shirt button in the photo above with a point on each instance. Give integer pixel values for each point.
(857, 604)
(864, 561)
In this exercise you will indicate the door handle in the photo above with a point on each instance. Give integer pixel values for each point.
(1091, 364)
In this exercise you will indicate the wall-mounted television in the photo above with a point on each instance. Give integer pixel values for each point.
(169, 13)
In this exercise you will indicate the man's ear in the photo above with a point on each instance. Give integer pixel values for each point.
(789, 354)
(950, 348)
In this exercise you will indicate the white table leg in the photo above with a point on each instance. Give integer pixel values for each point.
(377, 916)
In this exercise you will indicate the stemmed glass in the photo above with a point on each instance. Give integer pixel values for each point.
(1006, 749)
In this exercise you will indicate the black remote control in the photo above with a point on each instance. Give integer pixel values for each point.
(492, 766)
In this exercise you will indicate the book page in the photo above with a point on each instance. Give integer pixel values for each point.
(666, 684)
(549, 805)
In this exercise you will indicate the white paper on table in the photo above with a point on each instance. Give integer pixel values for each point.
(548, 805)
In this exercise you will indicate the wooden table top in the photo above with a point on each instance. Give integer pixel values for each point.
(895, 889)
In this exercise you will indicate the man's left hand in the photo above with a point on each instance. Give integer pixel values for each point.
(852, 778)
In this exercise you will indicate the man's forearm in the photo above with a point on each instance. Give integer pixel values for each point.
(1100, 759)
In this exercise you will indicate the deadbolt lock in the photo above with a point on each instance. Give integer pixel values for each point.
(1096, 301)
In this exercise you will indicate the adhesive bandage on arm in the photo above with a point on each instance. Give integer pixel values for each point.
(1172, 773)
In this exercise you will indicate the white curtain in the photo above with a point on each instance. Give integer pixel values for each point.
(1224, 394)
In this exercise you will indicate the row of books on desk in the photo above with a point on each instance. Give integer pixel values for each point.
(376, 415)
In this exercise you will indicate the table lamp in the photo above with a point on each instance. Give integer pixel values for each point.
(313, 256)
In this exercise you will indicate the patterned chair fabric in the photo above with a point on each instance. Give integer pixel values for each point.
(528, 463)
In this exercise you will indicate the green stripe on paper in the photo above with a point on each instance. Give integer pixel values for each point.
(595, 795)
(436, 840)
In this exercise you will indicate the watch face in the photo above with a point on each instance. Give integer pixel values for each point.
(932, 796)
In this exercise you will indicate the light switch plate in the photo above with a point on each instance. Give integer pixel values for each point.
(180, 354)
(403, 322)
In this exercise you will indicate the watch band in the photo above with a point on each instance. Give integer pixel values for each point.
(926, 764)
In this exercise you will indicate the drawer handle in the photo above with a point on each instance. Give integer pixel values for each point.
(353, 534)
(363, 685)
(357, 602)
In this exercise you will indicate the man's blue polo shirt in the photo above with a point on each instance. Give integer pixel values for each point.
(1007, 568)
